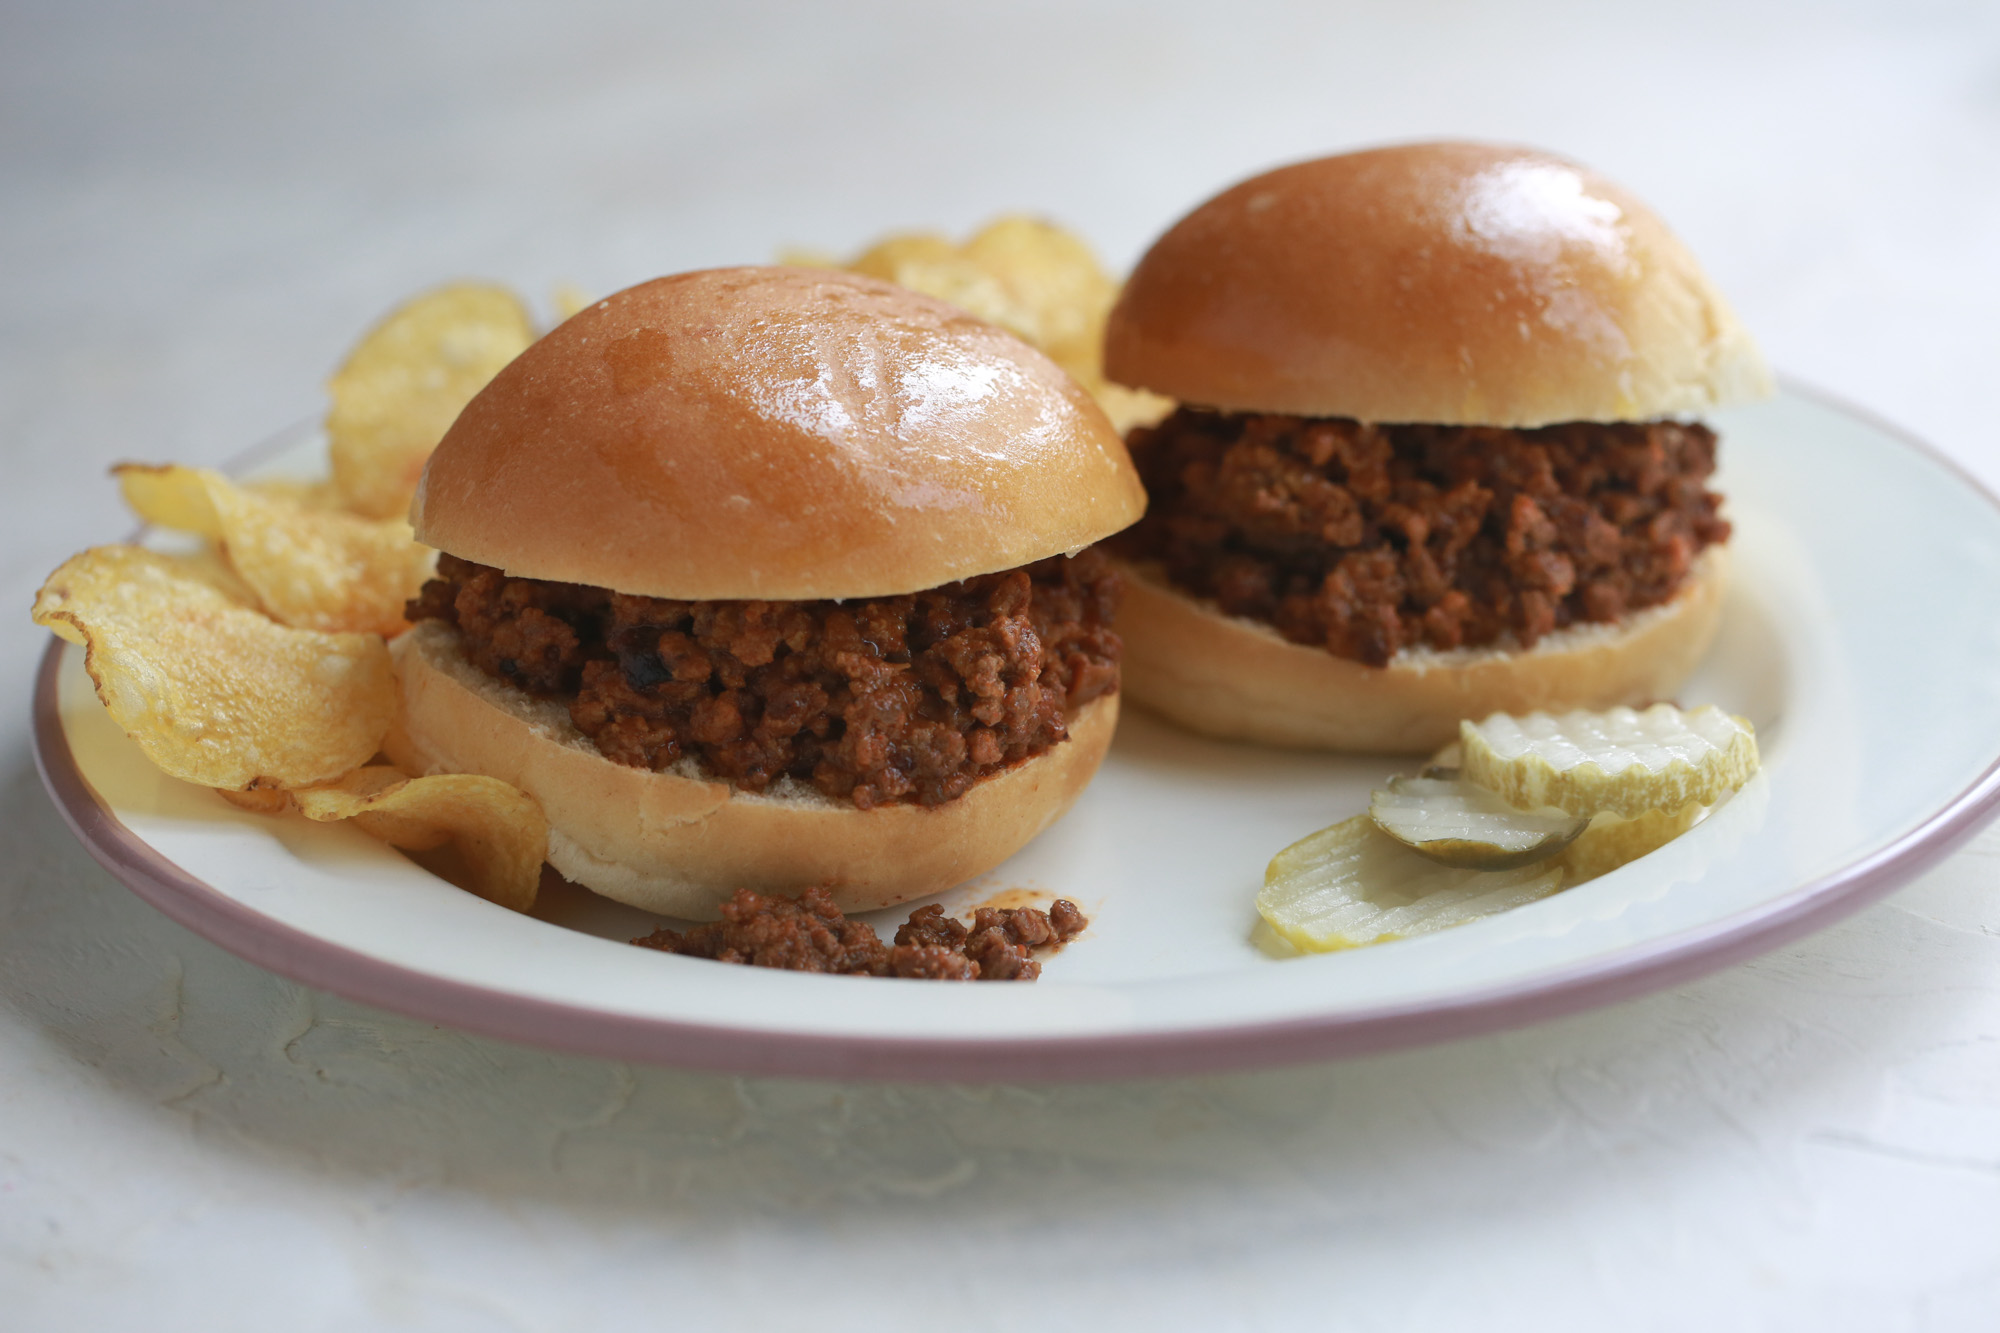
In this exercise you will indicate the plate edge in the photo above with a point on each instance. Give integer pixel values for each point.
(549, 1024)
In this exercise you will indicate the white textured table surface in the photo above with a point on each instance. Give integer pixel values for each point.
(198, 212)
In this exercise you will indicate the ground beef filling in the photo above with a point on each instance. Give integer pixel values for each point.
(1370, 539)
(874, 700)
(810, 934)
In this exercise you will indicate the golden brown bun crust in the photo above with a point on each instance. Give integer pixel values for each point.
(1241, 680)
(775, 433)
(681, 845)
(1457, 283)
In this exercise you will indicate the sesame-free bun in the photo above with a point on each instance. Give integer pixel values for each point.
(678, 843)
(775, 433)
(1454, 283)
(1240, 679)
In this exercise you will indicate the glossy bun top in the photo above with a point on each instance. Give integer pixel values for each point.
(776, 433)
(1456, 283)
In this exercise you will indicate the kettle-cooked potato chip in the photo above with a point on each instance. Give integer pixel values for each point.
(928, 263)
(305, 494)
(400, 390)
(311, 568)
(570, 300)
(478, 832)
(213, 690)
(170, 496)
(1055, 281)
(258, 800)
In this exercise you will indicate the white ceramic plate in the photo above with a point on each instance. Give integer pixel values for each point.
(1862, 637)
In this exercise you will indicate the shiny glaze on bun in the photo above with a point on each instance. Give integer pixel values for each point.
(1455, 283)
(775, 433)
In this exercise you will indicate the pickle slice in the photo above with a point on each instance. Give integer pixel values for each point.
(1454, 823)
(1445, 763)
(1619, 762)
(1353, 885)
(1610, 842)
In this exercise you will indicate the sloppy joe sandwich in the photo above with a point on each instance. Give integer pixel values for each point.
(762, 578)
(1437, 453)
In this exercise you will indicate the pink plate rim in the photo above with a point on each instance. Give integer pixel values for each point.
(553, 1025)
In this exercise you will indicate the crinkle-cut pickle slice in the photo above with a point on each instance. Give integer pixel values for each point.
(1353, 885)
(1454, 823)
(1611, 842)
(1445, 763)
(1619, 761)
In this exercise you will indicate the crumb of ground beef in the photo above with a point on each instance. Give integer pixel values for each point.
(929, 927)
(1370, 539)
(874, 700)
(810, 934)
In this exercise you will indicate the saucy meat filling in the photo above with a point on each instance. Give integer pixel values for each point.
(873, 700)
(811, 934)
(1367, 539)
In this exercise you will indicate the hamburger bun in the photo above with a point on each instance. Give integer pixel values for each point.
(1452, 283)
(1240, 679)
(775, 433)
(678, 843)
(757, 434)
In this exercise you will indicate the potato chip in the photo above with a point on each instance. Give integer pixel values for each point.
(401, 389)
(171, 497)
(928, 263)
(480, 833)
(570, 300)
(1052, 276)
(311, 568)
(258, 800)
(1036, 280)
(305, 494)
(207, 564)
(1129, 408)
(214, 691)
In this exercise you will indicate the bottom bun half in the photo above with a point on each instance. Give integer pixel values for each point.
(679, 844)
(1241, 680)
